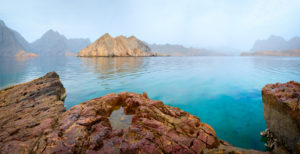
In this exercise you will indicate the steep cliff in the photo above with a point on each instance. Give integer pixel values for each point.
(281, 104)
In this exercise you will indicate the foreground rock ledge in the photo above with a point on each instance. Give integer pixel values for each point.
(33, 120)
(281, 104)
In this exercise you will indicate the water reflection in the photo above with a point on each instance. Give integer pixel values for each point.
(119, 119)
(11, 70)
(111, 67)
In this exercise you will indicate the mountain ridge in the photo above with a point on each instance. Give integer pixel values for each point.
(11, 42)
(51, 43)
(276, 43)
(180, 50)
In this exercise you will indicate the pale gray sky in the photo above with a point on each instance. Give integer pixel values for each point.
(197, 23)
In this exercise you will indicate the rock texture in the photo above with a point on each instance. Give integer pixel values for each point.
(33, 120)
(120, 46)
(28, 111)
(281, 104)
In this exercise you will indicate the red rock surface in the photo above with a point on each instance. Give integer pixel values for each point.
(281, 103)
(33, 120)
(29, 110)
(155, 128)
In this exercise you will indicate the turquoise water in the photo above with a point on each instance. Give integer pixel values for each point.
(223, 91)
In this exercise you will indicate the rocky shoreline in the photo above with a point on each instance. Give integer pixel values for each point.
(33, 119)
(281, 104)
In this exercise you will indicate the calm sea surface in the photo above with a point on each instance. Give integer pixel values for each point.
(224, 92)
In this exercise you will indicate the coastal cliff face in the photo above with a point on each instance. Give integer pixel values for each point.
(281, 104)
(33, 120)
(120, 46)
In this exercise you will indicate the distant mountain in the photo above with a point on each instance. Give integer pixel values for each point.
(275, 46)
(179, 50)
(54, 44)
(12, 43)
(276, 43)
(108, 46)
(50, 44)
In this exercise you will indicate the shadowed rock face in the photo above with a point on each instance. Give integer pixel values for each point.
(281, 103)
(33, 120)
(120, 46)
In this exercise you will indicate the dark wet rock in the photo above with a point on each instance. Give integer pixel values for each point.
(281, 103)
(33, 120)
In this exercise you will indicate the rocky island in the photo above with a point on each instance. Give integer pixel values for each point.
(33, 119)
(281, 104)
(107, 46)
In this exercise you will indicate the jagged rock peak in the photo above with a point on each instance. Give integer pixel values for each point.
(53, 34)
(121, 45)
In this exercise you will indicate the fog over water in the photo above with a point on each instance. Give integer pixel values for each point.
(191, 23)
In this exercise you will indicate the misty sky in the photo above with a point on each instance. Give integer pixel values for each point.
(234, 23)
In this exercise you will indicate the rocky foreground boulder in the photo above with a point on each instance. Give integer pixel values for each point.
(33, 119)
(107, 46)
(281, 104)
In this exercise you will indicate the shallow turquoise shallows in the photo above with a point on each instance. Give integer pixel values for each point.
(224, 92)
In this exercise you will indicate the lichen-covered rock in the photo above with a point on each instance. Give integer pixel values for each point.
(33, 120)
(28, 111)
(281, 104)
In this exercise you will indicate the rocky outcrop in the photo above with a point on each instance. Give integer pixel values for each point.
(33, 120)
(29, 111)
(281, 104)
(107, 46)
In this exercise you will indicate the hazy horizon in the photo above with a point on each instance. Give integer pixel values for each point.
(192, 24)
